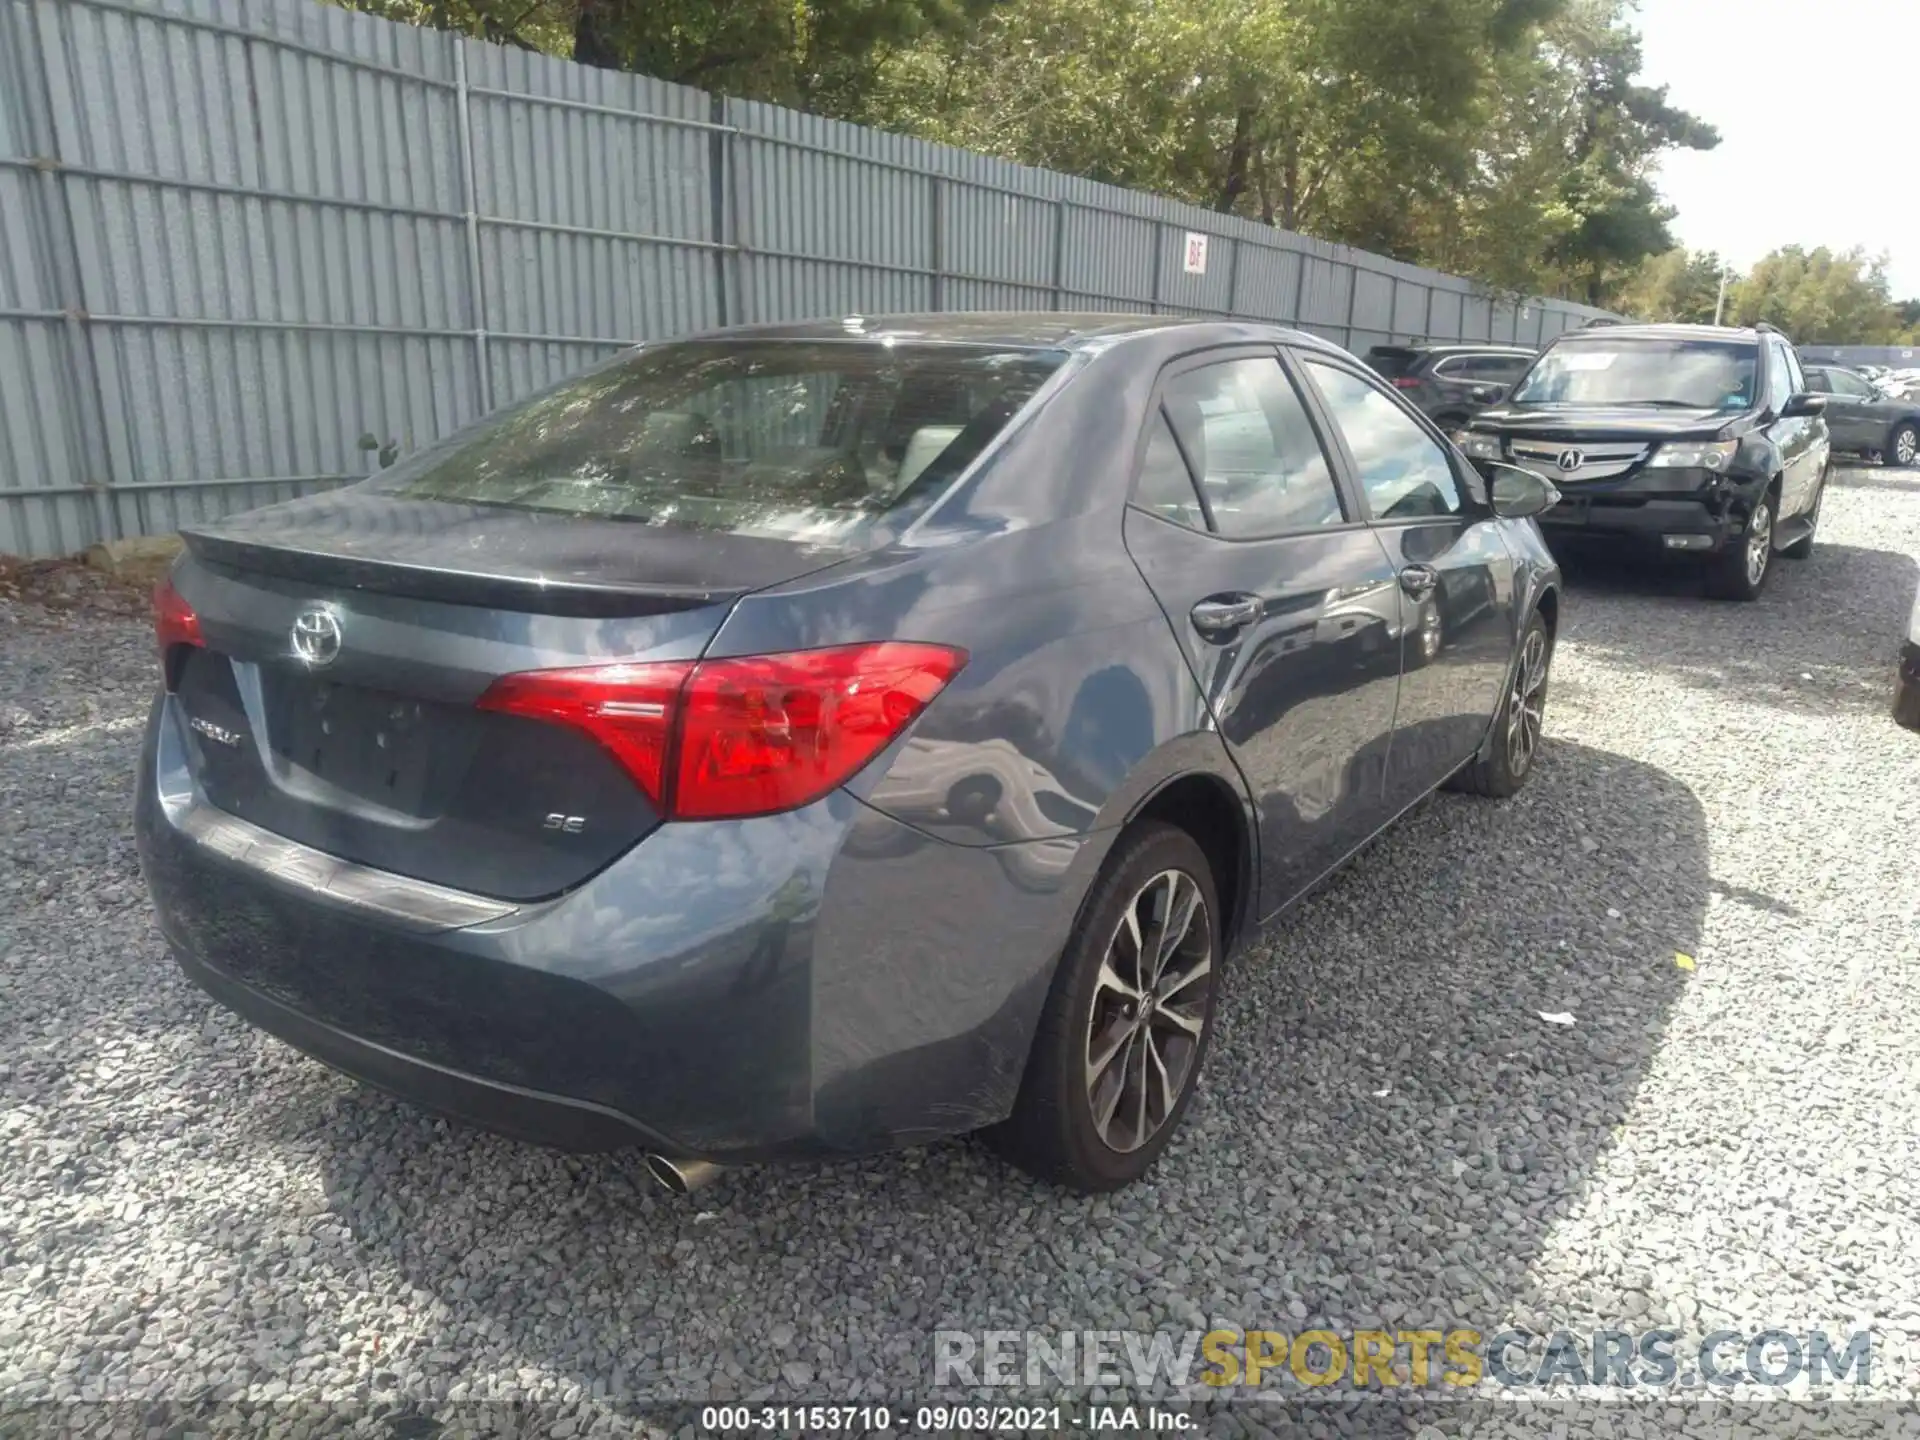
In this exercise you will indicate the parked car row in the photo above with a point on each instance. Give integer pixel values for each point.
(1865, 419)
(806, 740)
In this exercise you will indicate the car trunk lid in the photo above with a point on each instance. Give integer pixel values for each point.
(346, 645)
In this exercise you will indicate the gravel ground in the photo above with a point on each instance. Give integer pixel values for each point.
(1388, 1131)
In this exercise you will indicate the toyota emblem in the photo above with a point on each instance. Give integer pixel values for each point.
(1570, 461)
(316, 636)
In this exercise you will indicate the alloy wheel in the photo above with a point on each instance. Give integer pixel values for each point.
(1759, 542)
(1905, 446)
(1527, 705)
(1149, 1010)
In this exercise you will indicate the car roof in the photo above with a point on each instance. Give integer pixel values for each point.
(1662, 332)
(1023, 329)
(1457, 347)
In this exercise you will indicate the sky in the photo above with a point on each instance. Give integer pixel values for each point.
(1820, 91)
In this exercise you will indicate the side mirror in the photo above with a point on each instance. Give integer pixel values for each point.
(1516, 494)
(1487, 394)
(1803, 406)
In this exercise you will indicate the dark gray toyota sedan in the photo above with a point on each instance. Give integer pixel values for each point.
(807, 740)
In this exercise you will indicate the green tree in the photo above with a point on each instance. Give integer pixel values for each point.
(1821, 298)
(544, 25)
(816, 55)
(1613, 131)
(1679, 285)
(1288, 110)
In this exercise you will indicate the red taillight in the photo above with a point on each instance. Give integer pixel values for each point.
(747, 736)
(772, 732)
(627, 708)
(174, 622)
(1406, 382)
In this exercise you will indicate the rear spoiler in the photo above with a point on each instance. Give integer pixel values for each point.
(502, 589)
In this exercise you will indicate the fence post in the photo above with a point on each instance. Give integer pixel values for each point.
(719, 172)
(60, 245)
(1059, 254)
(1353, 297)
(469, 196)
(1300, 287)
(936, 241)
(1233, 274)
(1159, 244)
(1428, 333)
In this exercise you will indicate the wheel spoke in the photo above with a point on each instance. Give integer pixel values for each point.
(1104, 1110)
(1156, 930)
(1140, 1129)
(1111, 1044)
(1160, 1080)
(1536, 663)
(1180, 1020)
(1131, 924)
(1109, 979)
(1185, 978)
(1183, 899)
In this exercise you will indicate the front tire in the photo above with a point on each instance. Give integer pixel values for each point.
(1903, 446)
(1514, 746)
(1127, 1022)
(1740, 571)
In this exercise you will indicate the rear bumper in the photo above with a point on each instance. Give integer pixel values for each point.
(524, 1114)
(827, 981)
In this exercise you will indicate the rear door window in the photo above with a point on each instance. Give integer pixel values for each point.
(1166, 485)
(1248, 440)
(790, 439)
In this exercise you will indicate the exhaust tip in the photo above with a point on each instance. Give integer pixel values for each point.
(682, 1177)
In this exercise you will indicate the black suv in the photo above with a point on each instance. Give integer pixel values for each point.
(1679, 439)
(1865, 421)
(1451, 383)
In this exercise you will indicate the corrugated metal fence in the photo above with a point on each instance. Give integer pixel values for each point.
(1894, 357)
(246, 246)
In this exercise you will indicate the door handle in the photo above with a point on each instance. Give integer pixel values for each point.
(1225, 614)
(1418, 580)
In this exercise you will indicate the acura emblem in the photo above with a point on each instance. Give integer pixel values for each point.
(316, 636)
(1571, 460)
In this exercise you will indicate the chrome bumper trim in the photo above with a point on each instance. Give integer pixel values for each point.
(413, 904)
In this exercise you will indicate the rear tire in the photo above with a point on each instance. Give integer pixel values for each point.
(1740, 571)
(1903, 446)
(1125, 1028)
(1513, 750)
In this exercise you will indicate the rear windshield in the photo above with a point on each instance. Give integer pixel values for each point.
(1683, 374)
(788, 439)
